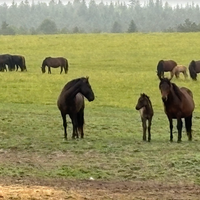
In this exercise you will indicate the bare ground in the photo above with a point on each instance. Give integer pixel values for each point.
(57, 189)
(91, 189)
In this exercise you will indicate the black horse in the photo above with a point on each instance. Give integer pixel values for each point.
(71, 102)
(146, 112)
(19, 61)
(6, 59)
(194, 68)
(55, 63)
(178, 104)
(165, 66)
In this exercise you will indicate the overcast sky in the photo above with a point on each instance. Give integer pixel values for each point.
(171, 2)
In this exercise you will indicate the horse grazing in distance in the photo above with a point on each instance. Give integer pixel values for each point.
(179, 69)
(55, 63)
(71, 102)
(19, 61)
(6, 59)
(194, 68)
(146, 113)
(178, 104)
(165, 66)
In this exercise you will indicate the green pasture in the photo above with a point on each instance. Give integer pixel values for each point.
(120, 67)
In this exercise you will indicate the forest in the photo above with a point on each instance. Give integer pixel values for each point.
(80, 16)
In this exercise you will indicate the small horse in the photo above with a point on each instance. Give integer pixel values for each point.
(179, 69)
(55, 62)
(19, 61)
(178, 103)
(146, 112)
(165, 66)
(194, 68)
(71, 102)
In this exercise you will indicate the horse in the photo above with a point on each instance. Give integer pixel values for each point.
(19, 61)
(165, 66)
(194, 68)
(178, 103)
(71, 102)
(55, 62)
(146, 113)
(179, 69)
(6, 59)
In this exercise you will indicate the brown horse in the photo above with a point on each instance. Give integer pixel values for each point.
(179, 69)
(178, 103)
(71, 102)
(165, 66)
(194, 68)
(55, 63)
(146, 113)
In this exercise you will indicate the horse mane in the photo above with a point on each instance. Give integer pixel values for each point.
(147, 97)
(176, 90)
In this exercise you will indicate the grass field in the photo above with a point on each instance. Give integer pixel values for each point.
(120, 67)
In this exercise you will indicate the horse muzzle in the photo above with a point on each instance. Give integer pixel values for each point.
(164, 99)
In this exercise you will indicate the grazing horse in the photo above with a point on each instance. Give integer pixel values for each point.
(146, 112)
(194, 68)
(165, 66)
(71, 102)
(19, 61)
(178, 104)
(179, 69)
(55, 63)
(6, 59)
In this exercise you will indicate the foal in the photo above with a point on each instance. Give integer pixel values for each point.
(146, 112)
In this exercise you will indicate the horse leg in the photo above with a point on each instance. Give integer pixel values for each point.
(179, 127)
(149, 130)
(171, 129)
(144, 128)
(188, 126)
(61, 69)
(74, 124)
(64, 125)
(49, 70)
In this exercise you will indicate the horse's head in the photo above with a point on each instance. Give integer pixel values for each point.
(43, 69)
(192, 70)
(86, 89)
(165, 88)
(160, 69)
(142, 101)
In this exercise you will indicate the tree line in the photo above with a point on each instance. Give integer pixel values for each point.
(81, 17)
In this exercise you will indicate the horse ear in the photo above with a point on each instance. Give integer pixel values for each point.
(87, 77)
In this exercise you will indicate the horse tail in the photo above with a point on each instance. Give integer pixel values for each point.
(66, 65)
(160, 69)
(80, 122)
(192, 70)
(188, 126)
(23, 63)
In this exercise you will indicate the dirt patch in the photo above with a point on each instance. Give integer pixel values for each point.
(88, 190)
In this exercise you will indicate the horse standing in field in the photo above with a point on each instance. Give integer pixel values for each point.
(19, 61)
(146, 112)
(6, 59)
(178, 104)
(194, 68)
(165, 66)
(179, 69)
(71, 102)
(55, 63)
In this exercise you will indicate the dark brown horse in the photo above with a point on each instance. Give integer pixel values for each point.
(178, 104)
(55, 63)
(146, 113)
(179, 69)
(19, 61)
(165, 66)
(194, 68)
(71, 102)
